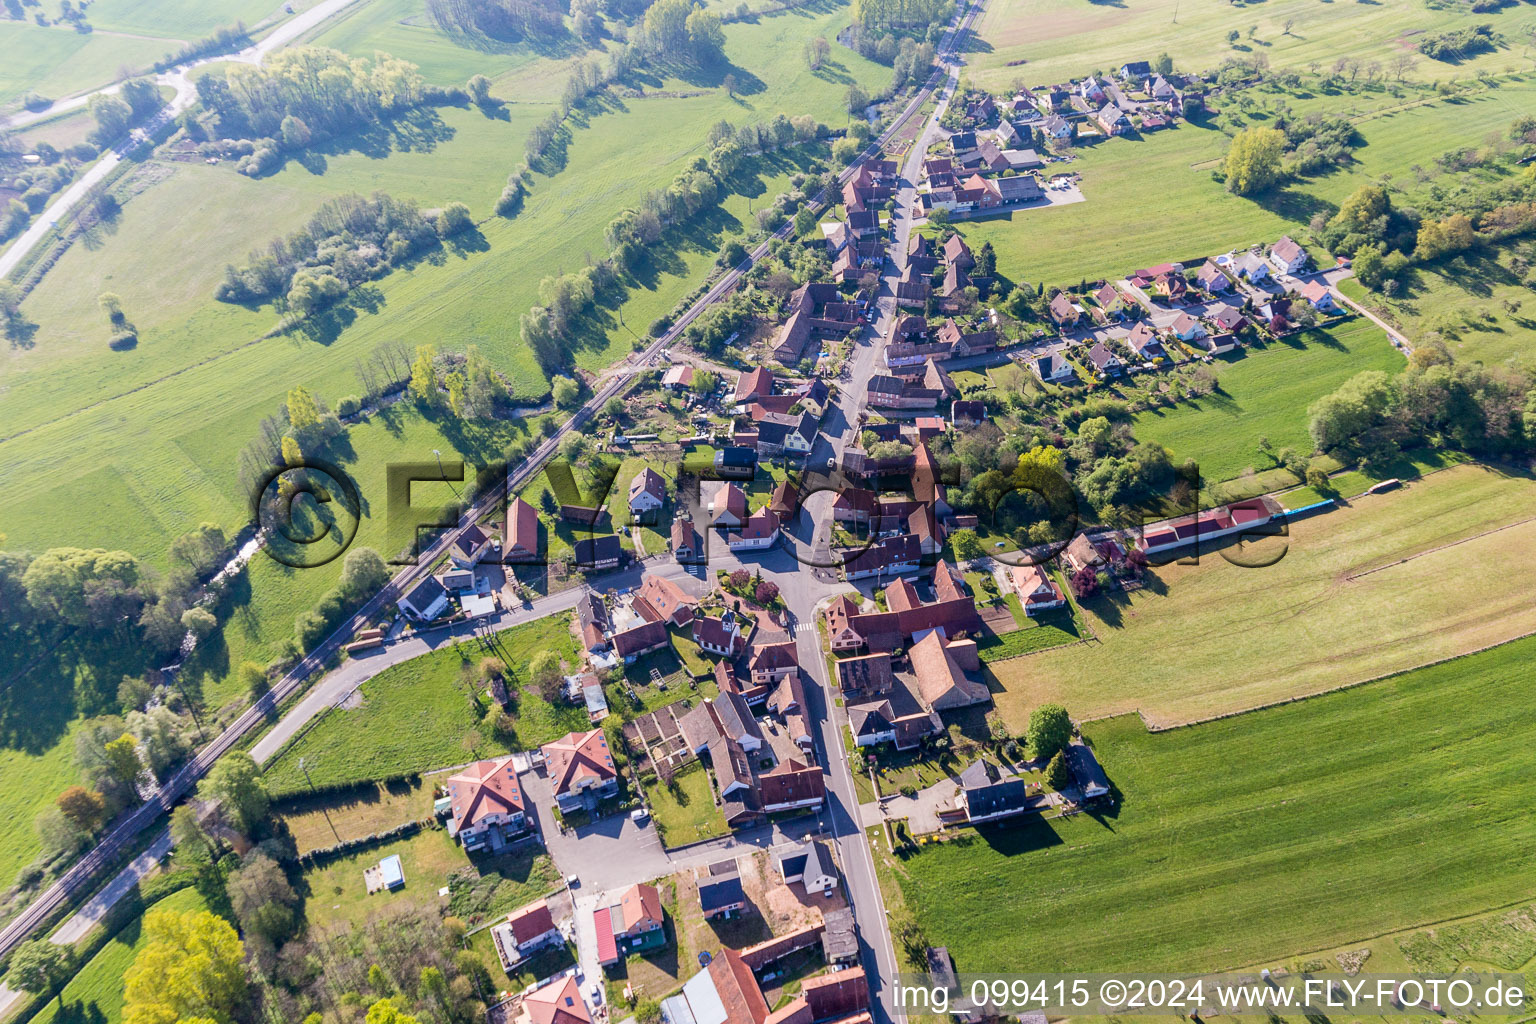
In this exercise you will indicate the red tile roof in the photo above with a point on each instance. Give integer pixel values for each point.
(483, 789)
(528, 923)
(579, 755)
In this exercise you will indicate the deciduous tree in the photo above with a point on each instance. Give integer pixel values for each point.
(1252, 163)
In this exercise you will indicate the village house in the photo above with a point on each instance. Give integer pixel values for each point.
(720, 891)
(1143, 341)
(1158, 88)
(471, 546)
(424, 602)
(660, 599)
(1187, 328)
(961, 143)
(1288, 257)
(647, 493)
(1171, 285)
(989, 795)
(1249, 516)
(784, 433)
(727, 506)
(758, 531)
(1135, 71)
(1225, 317)
(487, 809)
(1051, 368)
(966, 414)
(753, 385)
(1086, 772)
(769, 663)
(597, 554)
(1211, 277)
(1064, 312)
(792, 785)
(910, 392)
(1057, 127)
(1091, 90)
(592, 622)
(1109, 299)
(811, 865)
(1113, 120)
(1320, 296)
(555, 1002)
(686, 542)
(723, 635)
(1251, 267)
(787, 704)
(1037, 591)
(581, 769)
(525, 931)
(635, 924)
(816, 310)
(883, 559)
(520, 532)
(952, 613)
(1105, 361)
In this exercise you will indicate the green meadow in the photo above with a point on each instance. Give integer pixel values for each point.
(1242, 841)
(1061, 39)
(1265, 393)
(416, 715)
(1152, 199)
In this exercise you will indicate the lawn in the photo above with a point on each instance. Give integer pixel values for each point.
(480, 889)
(1237, 842)
(415, 716)
(1064, 39)
(316, 823)
(1214, 638)
(685, 812)
(1265, 393)
(95, 994)
(1451, 304)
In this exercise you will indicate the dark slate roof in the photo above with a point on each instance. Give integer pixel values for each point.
(723, 890)
(597, 549)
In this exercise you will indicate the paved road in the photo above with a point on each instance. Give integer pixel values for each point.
(186, 95)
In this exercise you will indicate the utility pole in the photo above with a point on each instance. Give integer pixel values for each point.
(305, 769)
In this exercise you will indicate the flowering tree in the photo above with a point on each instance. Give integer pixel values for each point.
(767, 592)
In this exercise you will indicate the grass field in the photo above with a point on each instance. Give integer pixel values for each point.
(416, 716)
(686, 812)
(29, 782)
(1214, 638)
(316, 823)
(1241, 841)
(1265, 393)
(95, 994)
(1063, 39)
(1152, 199)
(431, 860)
(1450, 304)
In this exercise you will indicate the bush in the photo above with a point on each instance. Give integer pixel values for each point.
(349, 406)
(122, 341)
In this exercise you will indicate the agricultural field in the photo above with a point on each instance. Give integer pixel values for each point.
(1380, 586)
(1483, 313)
(29, 782)
(95, 994)
(1261, 836)
(1152, 198)
(1046, 41)
(1265, 393)
(57, 61)
(417, 715)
